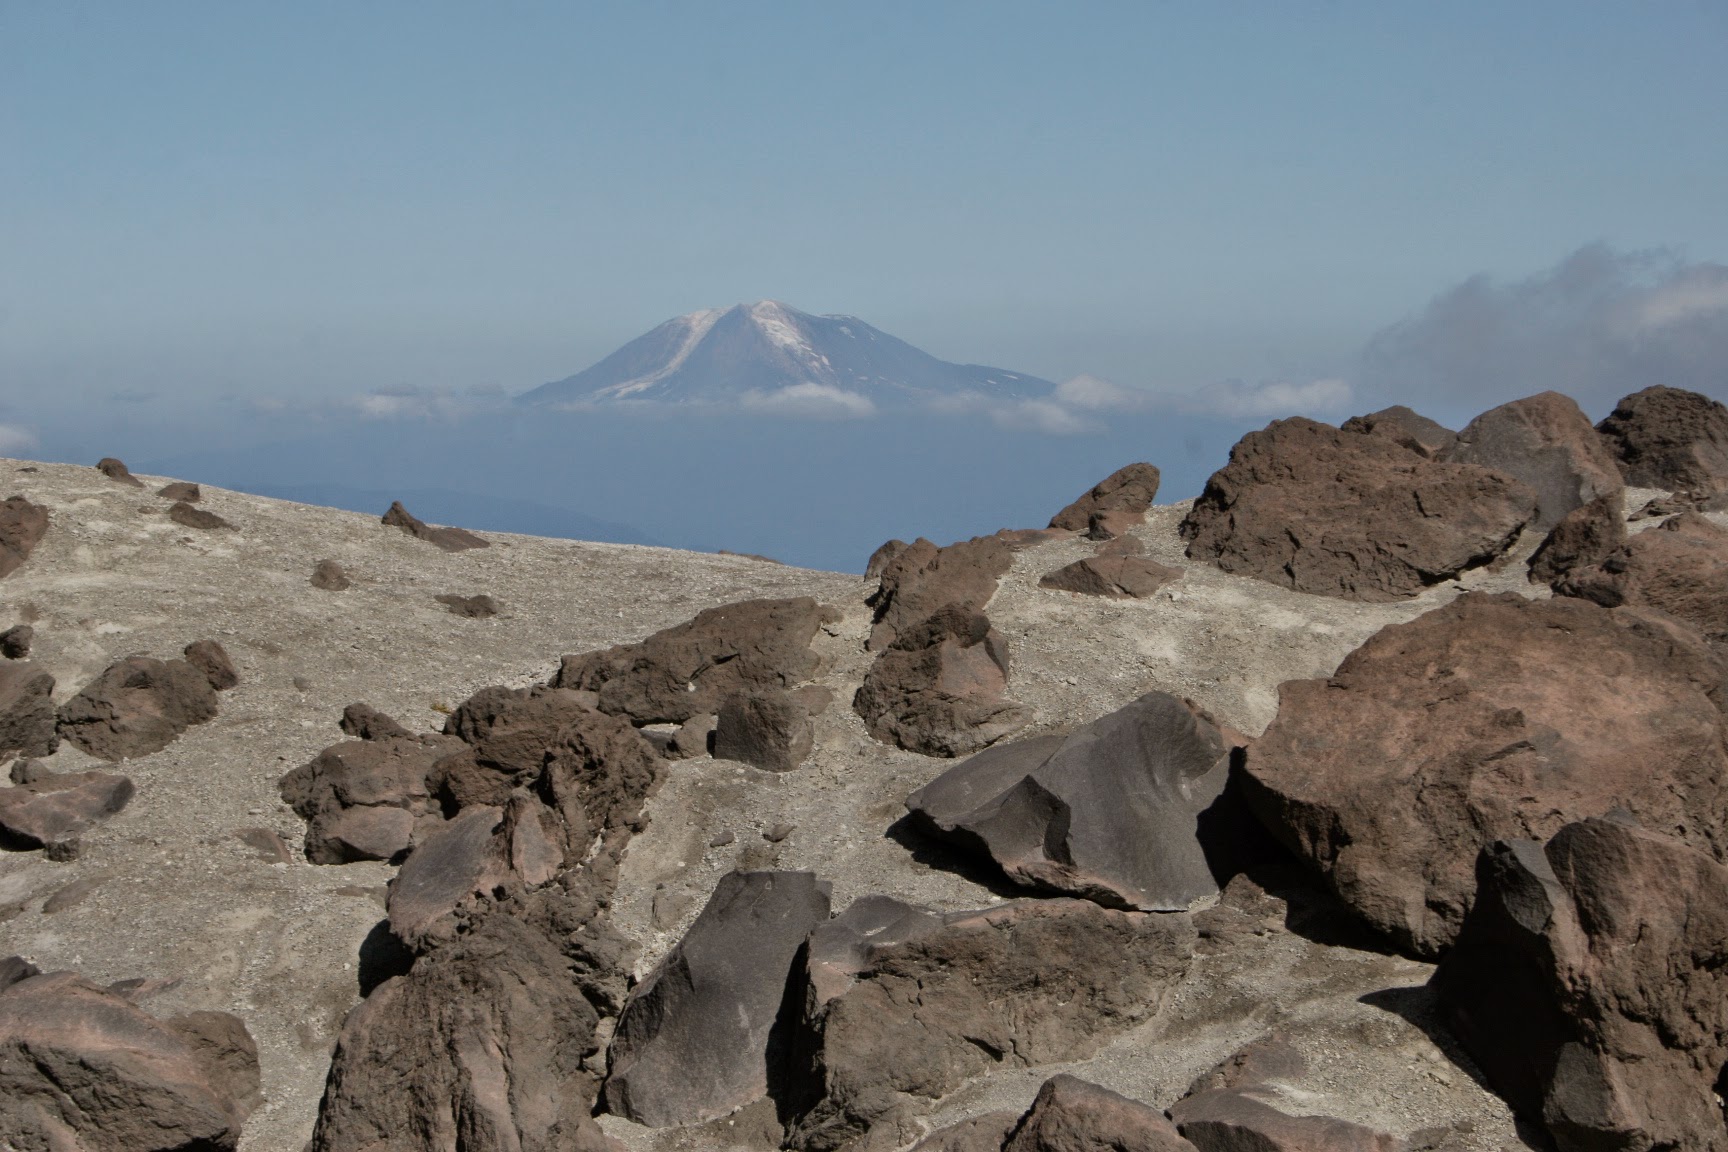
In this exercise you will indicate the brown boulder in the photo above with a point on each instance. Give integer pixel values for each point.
(1321, 510)
(983, 1133)
(329, 576)
(28, 722)
(1235, 1106)
(448, 539)
(882, 557)
(1680, 568)
(181, 490)
(192, 516)
(1488, 718)
(686, 670)
(923, 578)
(1405, 427)
(362, 799)
(364, 722)
(1072, 1115)
(1546, 443)
(1129, 490)
(770, 730)
(22, 526)
(1669, 438)
(459, 864)
(1584, 536)
(82, 1067)
(138, 705)
(213, 660)
(55, 807)
(15, 641)
(116, 470)
(1588, 985)
(941, 999)
(940, 688)
(1119, 576)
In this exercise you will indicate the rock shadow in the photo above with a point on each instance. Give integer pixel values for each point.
(944, 855)
(382, 956)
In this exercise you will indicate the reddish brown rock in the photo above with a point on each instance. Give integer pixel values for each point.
(1585, 536)
(1491, 717)
(1588, 985)
(688, 669)
(1669, 438)
(1680, 568)
(448, 539)
(1321, 510)
(1546, 443)
(364, 722)
(139, 705)
(22, 526)
(769, 730)
(923, 578)
(191, 516)
(1128, 492)
(213, 660)
(53, 807)
(329, 576)
(1229, 1120)
(82, 1067)
(1119, 576)
(882, 557)
(362, 799)
(1072, 1115)
(28, 722)
(116, 470)
(1407, 428)
(941, 687)
(983, 1133)
(181, 490)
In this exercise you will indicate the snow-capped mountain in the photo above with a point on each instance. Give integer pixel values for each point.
(771, 355)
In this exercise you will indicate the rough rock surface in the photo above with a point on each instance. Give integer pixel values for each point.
(1117, 575)
(448, 539)
(688, 669)
(1680, 568)
(22, 526)
(329, 576)
(694, 1040)
(213, 660)
(191, 516)
(82, 1067)
(921, 579)
(940, 689)
(1670, 438)
(1406, 427)
(769, 729)
(1588, 985)
(51, 808)
(480, 607)
(115, 469)
(15, 641)
(1546, 443)
(1024, 983)
(1586, 535)
(1490, 718)
(1318, 509)
(1252, 1101)
(181, 490)
(1129, 490)
(1112, 812)
(482, 1045)
(139, 705)
(1072, 1115)
(361, 799)
(27, 716)
(364, 722)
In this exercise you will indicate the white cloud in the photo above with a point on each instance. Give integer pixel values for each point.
(1274, 398)
(1098, 395)
(15, 438)
(810, 400)
(1041, 416)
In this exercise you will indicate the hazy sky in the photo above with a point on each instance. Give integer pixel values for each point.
(324, 199)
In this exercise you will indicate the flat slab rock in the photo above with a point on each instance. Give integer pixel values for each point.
(1119, 576)
(1111, 812)
(54, 807)
(446, 539)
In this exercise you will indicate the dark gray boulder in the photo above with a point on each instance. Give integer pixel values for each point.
(27, 716)
(693, 1042)
(1585, 536)
(191, 516)
(1119, 576)
(1405, 427)
(115, 469)
(15, 641)
(921, 579)
(768, 729)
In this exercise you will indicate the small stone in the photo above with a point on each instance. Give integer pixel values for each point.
(183, 513)
(775, 833)
(722, 839)
(115, 470)
(15, 641)
(329, 576)
(481, 607)
(180, 490)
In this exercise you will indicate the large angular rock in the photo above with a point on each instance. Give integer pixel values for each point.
(693, 1042)
(1669, 438)
(770, 730)
(1405, 427)
(1586, 535)
(922, 578)
(1111, 812)
(1588, 985)
(456, 865)
(22, 526)
(688, 669)
(938, 1001)
(447, 539)
(137, 706)
(27, 716)
(507, 735)
(52, 808)
(1488, 718)
(1347, 514)
(1119, 576)
(1073, 1115)
(940, 688)
(1680, 568)
(82, 1067)
(361, 799)
(1546, 443)
(213, 660)
(1129, 490)
(1230, 1120)
(480, 1046)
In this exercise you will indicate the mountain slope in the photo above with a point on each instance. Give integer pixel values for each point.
(768, 353)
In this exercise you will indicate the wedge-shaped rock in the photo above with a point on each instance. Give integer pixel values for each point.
(82, 1067)
(1491, 717)
(1120, 576)
(28, 721)
(1670, 438)
(447, 539)
(688, 669)
(1111, 812)
(1680, 568)
(457, 864)
(920, 578)
(54, 807)
(935, 1001)
(22, 526)
(1588, 985)
(1586, 535)
(693, 1042)
(138, 705)
(1128, 491)
(480, 1046)
(941, 688)
(1546, 443)
(1406, 427)
(1347, 514)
